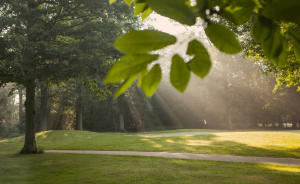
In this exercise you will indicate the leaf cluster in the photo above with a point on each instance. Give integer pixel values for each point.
(238, 12)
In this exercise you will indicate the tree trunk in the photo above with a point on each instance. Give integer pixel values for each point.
(121, 116)
(60, 122)
(229, 122)
(79, 114)
(20, 105)
(280, 125)
(11, 115)
(43, 122)
(30, 144)
(121, 100)
(294, 124)
(227, 105)
(273, 123)
(115, 124)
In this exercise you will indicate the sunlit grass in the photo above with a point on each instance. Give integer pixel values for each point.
(76, 168)
(281, 168)
(262, 144)
(42, 135)
(178, 131)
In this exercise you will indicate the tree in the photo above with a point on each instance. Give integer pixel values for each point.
(288, 73)
(44, 99)
(138, 44)
(20, 90)
(55, 41)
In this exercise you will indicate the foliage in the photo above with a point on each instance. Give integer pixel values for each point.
(287, 74)
(266, 30)
(8, 120)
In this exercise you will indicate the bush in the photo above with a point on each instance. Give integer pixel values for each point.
(40, 150)
(8, 130)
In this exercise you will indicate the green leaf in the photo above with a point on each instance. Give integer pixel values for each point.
(143, 41)
(295, 36)
(238, 12)
(273, 46)
(200, 14)
(200, 64)
(140, 1)
(211, 3)
(140, 8)
(281, 59)
(127, 66)
(125, 85)
(128, 2)
(174, 9)
(152, 80)
(287, 10)
(141, 77)
(257, 3)
(223, 39)
(195, 48)
(146, 13)
(180, 73)
(260, 30)
(112, 1)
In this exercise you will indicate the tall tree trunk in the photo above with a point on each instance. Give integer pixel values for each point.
(229, 122)
(280, 125)
(121, 100)
(11, 114)
(30, 144)
(110, 105)
(227, 105)
(273, 123)
(60, 121)
(121, 117)
(44, 99)
(79, 114)
(115, 124)
(294, 122)
(20, 105)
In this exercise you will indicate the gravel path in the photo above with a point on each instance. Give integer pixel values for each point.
(190, 156)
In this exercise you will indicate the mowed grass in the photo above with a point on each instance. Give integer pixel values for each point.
(77, 168)
(262, 144)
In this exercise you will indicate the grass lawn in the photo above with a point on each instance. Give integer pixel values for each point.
(76, 168)
(263, 144)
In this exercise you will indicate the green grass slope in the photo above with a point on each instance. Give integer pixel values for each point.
(263, 144)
